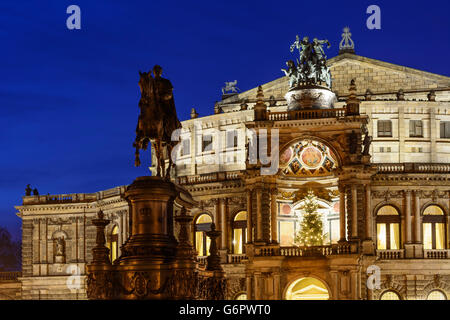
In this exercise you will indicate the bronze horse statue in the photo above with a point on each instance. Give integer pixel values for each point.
(157, 119)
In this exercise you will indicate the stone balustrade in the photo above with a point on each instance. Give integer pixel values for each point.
(10, 275)
(305, 251)
(73, 197)
(306, 114)
(236, 258)
(390, 254)
(413, 167)
(209, 177)
(437, 254)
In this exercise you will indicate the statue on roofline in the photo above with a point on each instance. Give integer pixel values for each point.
(311, 67)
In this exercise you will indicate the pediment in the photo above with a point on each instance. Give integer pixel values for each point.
(376, 75)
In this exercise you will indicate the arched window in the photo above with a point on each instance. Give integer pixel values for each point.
(434, 235)
(241, 296)
(307, 288)
(201, 240)
(114, 244)
(436, 295)
(239, 232)
(388, 228)
(390, 295)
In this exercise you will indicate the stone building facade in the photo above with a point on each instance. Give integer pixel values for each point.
(385, 209)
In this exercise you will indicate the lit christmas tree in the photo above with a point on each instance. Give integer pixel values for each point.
(311, 227)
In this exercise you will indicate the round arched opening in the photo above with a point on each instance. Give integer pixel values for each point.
(201, 226)
(390, 295)
(241, 296)
(436, 295)
(307, 288)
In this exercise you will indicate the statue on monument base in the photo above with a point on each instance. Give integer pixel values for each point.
(157, 119)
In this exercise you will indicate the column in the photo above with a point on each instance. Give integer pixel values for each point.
(354, 211)
(258, 287)
(217, 216)
(273, 216)
(417, 236)
(248, 282)
(277, 286)
(249, 217)
(342, 212)
(223, 221)
(408, 215)
(368, 213)
(259, 228)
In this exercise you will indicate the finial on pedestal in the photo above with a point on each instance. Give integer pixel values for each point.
(194, 113)
(260, 107)
(346, 45)
(352, 107)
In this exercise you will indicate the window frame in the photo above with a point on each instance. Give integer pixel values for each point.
(382, 131)
(388, 220)
(413, 128)
(444, 129)
(240, 224)
(433, 220)
(203, 228)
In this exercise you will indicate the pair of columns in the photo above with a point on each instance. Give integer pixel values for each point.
(258, 226)
(409, 215)
(353, 206)
(220, 218)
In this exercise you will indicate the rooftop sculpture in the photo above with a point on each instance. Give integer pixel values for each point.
(230, 86)
(311, 67)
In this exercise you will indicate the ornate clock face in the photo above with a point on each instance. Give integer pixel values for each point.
(307, 158)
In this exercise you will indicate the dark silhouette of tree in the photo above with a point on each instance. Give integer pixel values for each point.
(10, 252)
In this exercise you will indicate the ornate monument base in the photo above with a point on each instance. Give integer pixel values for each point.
(153, 264)
(310, 97)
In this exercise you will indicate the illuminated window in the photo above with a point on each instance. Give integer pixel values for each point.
(388, 228)
(241, 296)
(114, 244)
(390, 295)
(287, 233)
(434, 235)
(436, 295)
(239, 232)
(307, 289)
(201, 240)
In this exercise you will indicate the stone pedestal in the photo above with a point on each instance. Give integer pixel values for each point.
(368, 247)
(151, 266)
(413, 250)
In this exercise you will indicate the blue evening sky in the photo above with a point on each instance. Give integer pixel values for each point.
(69, 98)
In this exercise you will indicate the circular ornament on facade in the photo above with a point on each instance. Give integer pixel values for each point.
(286, 156)
(286, 209)
(311, 157)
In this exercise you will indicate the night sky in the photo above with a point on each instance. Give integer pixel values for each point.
(69, 98)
